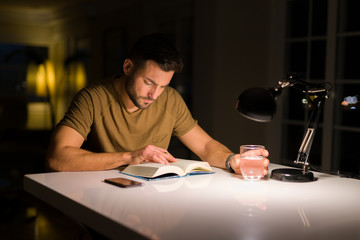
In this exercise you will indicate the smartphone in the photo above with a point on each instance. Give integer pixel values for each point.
(123, 182)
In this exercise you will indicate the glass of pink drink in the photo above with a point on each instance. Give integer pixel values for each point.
(251, 162)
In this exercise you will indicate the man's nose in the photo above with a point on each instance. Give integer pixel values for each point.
(155, 92)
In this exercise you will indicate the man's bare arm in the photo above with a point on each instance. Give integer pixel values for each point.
(212, 151)
(65, 154)
(204, 146)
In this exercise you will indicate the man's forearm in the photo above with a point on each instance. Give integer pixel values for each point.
(75, 159)
(216, 154)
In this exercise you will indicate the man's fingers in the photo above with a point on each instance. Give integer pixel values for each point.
(265, 153)
(163, 156)
(265, 172)
(266, 166)
(156, 154)
(235, 164)
(266, 162)
(159, 159)
(262, 152)
(169, 157)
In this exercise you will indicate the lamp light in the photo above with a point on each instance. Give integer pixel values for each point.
(259, 104)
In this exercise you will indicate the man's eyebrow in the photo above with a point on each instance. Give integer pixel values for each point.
(154, 83)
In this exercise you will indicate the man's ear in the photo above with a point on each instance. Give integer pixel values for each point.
(128, 66)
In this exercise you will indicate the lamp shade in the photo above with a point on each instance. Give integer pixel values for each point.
(257, 104)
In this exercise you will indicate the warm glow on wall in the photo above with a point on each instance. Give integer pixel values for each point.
(41, 87)
(50, 77)
(31, 75)
(41, 79)
(77, 76)
(41, 82)
(39, 116)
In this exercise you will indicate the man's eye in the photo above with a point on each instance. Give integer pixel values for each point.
(147, 83)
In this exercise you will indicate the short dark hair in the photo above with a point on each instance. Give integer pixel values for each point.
(158, 48)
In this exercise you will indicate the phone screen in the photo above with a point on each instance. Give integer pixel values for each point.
(123, 182)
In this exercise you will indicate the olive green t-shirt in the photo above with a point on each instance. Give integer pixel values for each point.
(99, 115)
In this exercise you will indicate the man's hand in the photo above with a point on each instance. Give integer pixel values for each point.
(235, 162)
(151, 153)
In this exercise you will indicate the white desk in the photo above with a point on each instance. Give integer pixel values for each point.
(215, 206)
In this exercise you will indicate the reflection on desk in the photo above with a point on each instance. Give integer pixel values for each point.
(215, 206)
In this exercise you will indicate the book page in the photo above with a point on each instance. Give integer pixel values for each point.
(151, 170)
(190, 165)
(181, 168)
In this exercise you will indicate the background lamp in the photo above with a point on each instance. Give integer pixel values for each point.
(259, 104)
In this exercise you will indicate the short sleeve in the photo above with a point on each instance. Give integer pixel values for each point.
(79, 115)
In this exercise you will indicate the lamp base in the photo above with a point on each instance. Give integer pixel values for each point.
(292, 175)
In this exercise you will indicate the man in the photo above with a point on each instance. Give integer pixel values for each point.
(130, 119)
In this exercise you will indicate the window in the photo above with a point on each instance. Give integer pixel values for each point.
(323, 44)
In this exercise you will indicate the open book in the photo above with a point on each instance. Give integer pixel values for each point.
(181, 168)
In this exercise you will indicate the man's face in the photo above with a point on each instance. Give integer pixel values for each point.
(145, 84)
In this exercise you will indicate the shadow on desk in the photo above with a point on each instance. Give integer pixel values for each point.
(36, 220)
(22, 215)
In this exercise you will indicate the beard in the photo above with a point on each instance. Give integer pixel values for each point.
(132, 93)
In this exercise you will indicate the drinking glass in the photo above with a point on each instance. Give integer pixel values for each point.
(251, 162)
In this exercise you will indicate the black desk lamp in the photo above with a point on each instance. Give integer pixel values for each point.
(259, 104)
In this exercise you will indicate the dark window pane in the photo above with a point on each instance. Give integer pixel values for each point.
(347, 106)
(297, 18)
(348, 153)
(296, 60)
(293, 137)
(348, 60)
(317, 64)
(349, 15)
(315, 152)
(291, 142)
(319, 17)
(295, 107)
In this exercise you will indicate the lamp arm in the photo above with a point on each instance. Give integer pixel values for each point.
(305, 147)
(291, 80)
